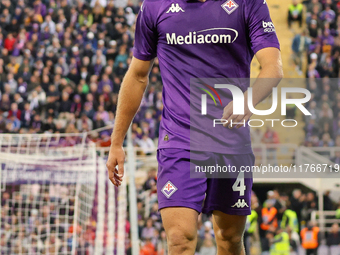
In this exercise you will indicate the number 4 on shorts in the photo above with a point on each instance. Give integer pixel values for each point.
(239, 184)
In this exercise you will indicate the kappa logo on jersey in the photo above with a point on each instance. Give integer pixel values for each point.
(175, 8)
(229, 6)
(240, 204)
(268, 26)
(169, 189)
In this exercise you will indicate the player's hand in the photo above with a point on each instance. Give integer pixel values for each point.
(116, 158)
(230, 117)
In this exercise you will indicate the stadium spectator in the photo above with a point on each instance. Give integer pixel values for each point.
(326, 140)
(310, 238)
(147, 145)
(336, 158)
(250, 234)
(271, 138)
(328, 15)
(297, 201)
(299, 46)
(327, 201)
(280, 243)
(162, 248)
(295, 13)
(152, 178)
(333, 239)
(311, 5)
(310, 205)
(148, 248)
(290, 220)
(148, 231)
(208, 247)
(268, 224)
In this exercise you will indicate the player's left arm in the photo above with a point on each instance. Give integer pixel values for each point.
(269, 77)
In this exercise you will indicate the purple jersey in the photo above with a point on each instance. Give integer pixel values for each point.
(192, 39)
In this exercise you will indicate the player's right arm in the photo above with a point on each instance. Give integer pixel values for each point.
(133, 87)
(129, 99)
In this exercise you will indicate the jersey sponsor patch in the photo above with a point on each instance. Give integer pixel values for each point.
(268, 26)
(219, 35)
(169, 189)
(230, 6)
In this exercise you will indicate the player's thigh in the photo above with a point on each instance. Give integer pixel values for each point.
(228, 227)
(180, 224)
(175, 187)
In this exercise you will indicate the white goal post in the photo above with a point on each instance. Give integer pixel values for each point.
(56, 198)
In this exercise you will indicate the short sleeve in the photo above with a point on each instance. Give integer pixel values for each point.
(260, 26)
(145, 47)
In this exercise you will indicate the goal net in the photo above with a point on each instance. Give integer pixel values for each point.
(55, 198)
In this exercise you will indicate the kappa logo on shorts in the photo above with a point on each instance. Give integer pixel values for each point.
(240, 204)
(169, 189)
(230, 6)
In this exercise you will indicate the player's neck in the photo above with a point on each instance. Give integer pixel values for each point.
(202, 1)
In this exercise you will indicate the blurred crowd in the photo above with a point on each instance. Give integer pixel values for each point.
(39, 219)
(284, 223)
(62, 64)
(281, 223)
(61, 67)
(321, 41)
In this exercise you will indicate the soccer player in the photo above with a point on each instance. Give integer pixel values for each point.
(198, 39)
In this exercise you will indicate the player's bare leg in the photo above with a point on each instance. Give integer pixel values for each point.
(180, 225)
(229, 233)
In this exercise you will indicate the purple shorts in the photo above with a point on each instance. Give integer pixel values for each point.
(183, 182)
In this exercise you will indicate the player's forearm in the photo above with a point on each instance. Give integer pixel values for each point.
(129, 99)
(269, 77)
